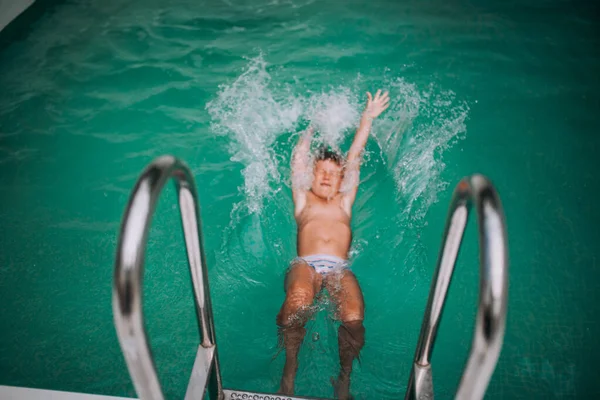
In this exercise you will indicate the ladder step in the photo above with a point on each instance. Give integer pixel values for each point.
(241, 395)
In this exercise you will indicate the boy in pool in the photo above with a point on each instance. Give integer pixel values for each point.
(323, 217)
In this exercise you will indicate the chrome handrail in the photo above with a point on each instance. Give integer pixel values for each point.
(493, 292)
(129, 269)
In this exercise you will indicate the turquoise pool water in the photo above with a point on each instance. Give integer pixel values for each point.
(93, 91)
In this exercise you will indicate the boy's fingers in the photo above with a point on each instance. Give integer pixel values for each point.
(369, 96)
(378, 93)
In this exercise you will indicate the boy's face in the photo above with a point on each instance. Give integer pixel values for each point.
(327, 179)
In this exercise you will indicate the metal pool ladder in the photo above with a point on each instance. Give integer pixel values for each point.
(205, 377)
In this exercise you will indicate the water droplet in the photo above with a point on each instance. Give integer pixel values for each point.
(315, 336)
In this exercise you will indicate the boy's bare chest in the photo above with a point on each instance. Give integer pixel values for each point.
(331, 211)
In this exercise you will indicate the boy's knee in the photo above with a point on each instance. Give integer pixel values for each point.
(354, 326)
(351, 315)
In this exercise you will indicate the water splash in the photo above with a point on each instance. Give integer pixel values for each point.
(416, 130)
(253, 111)
(332, 114)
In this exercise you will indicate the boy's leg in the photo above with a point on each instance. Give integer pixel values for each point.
(345, 291)
(302, 283)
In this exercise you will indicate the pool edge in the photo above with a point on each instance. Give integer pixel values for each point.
(21, 393)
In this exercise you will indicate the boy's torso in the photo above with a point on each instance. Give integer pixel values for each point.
(323, 227)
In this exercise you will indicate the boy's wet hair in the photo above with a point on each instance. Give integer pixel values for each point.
(324, 153)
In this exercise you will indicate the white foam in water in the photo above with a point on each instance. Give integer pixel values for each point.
(332, 114)
(413, 133)
(253, 112)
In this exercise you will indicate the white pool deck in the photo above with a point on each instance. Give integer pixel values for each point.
(20, 393)
(11, 9)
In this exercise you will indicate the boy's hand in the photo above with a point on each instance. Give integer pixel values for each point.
(375, 106)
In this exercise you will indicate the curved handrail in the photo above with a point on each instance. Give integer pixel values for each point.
(493, 291)
(129, 269)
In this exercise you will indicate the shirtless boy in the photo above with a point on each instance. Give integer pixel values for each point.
(323, 217)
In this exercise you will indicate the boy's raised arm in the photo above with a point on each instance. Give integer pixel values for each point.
(301, 169)
(375, 106)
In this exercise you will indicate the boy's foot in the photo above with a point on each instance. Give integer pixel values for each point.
(287, 386)
(341, 387)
